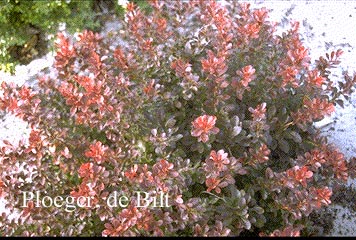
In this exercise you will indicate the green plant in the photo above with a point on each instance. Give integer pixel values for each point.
(199, 102)
(26, 25)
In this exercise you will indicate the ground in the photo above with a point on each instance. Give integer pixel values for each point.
(327, 26)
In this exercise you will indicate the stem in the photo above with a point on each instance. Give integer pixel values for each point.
(212, 194)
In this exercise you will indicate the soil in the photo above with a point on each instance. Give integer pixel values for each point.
(323, 222)
(343, 196)
(327, 26)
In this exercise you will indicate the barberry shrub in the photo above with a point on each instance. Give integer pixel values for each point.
(198, 101)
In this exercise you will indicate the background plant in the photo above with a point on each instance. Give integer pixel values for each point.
(25, 26)
(198, 100)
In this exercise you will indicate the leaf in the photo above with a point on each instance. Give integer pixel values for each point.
(200, 147)
(341, 84)
(235, 193)
(170, 123)
(284, 111)
(252, 219)
(188, 48)
(7, 142)
(271, 112)
(339, 52)
(236, 130)
(235, 120)
(260, 221)
(176, 137)
(264, 193)
(283, 145)
(258, 210)
(158, 151)
(295, 137)
(247, 224)
(340, 103)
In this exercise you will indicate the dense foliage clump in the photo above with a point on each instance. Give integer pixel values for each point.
(198, 101)
(26, 26)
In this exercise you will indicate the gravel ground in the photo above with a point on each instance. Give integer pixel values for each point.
(325, 26)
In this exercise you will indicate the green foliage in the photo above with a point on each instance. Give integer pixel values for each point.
(24, 25)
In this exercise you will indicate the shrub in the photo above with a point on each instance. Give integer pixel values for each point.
(24, 25)
(196, 100)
